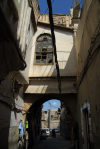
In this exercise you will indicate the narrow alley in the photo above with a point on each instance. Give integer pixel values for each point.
(53, 143)
(49, 50)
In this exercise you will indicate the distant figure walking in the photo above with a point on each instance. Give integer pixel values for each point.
(53, 133)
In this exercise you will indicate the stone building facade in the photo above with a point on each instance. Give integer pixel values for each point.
(64, 20)
(17, 27)
(43, 84)
(87, 45)
(51, 118)
(22, 87)
(65, 122)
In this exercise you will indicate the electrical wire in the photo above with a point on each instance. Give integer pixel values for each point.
(13, 84)
(53, 106)
(5, 96)
(46, 9)
(13, 108)
(81, 1)
(54, 44)
(72, 4)
(37, 21)
(83, 91)
(91, 53)
(91, 46)
(13, 94)
(11, 99)
(36, 41)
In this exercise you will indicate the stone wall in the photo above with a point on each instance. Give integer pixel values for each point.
(63, 20)
(65, 54)
(20, 31)
(88, 52)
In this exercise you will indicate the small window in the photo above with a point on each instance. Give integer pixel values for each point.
(44, 50)
(45, 112)
(51, 116)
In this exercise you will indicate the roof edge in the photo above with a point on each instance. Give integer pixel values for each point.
(55, 27)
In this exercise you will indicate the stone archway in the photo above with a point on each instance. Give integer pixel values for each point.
(33, 104)
(70, 101)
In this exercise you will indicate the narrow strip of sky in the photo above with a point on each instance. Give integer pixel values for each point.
(51, 104)
(58, 6)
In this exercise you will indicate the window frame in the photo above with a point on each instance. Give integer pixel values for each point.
(46, 52)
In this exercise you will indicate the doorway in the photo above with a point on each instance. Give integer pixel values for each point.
(87, 135)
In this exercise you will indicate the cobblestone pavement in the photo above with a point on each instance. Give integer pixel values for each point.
(53, 143)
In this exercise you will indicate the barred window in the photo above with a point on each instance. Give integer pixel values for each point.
(44, 50)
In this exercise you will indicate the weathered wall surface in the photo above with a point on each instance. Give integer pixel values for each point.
(67, 64)
(26, 31)
(51, 86)
(9, 118)
(55, 124)
(15, 120)
(54, 119)
(25, 34)
(51, 119)
(65, 123)
(58, 19)
(65, 54)
(70, 101)
(29, 40)
(5, 113)
(46, 84)
(17, 17)
(88, 86)
(82, 27)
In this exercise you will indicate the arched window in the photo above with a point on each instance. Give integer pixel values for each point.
(44, 50)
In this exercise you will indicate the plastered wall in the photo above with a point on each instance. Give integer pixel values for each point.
(65, 54)
(88, 90)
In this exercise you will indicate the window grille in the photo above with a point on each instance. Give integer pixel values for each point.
(44, 50)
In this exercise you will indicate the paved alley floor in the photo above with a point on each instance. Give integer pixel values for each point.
(53, 143)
